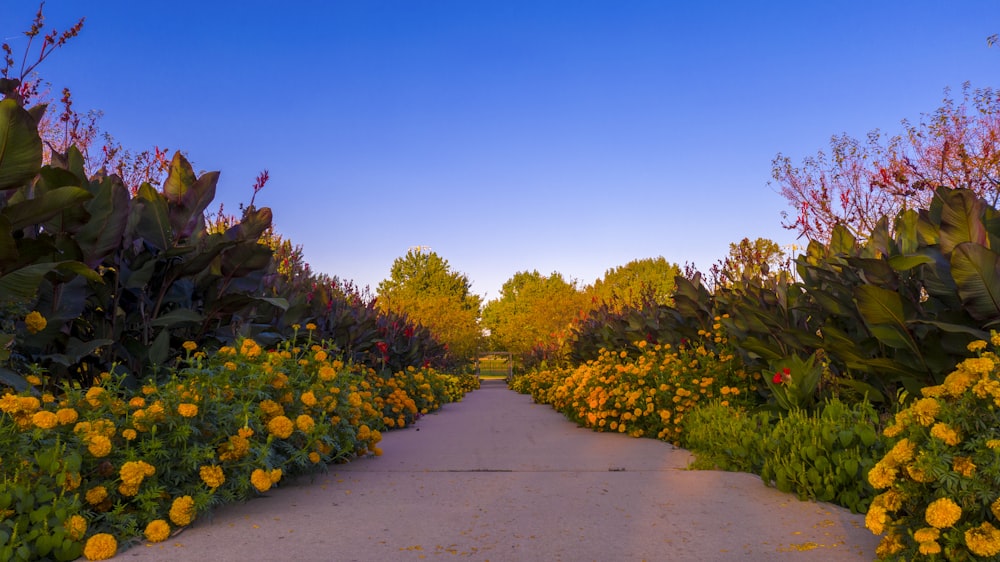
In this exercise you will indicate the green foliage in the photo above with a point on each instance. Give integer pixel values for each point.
(639, 282)
(822, 455)
(759, 259)
(795, 381)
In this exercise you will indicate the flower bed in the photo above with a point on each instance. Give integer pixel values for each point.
(88, 470)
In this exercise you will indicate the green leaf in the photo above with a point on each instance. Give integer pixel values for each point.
(882, 311)
(102, 234)
(20, 145)
(45, 206)
(906, 263)
(153, 224)
(961, 220)
(842, 241)
(976, 270)
(176, 317)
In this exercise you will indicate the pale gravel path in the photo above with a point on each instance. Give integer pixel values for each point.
(496, 477)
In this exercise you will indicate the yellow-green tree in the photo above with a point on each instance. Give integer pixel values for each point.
(422, 286)
(532, 309)
(750, 260)
(636, 283)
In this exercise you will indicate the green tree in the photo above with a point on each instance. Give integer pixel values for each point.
(750, 260)
(532, 309)
(423, 286)
(636, 283)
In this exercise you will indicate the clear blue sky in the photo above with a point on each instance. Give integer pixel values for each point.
(510, 135)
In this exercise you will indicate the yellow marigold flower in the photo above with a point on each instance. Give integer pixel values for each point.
(891, 500)
(137, 402)
(33, 380)
(281, 427)
(271, 408)
(189, 345)
(96, 495)
(187, 410)
(100, 547)
(245, 432)
(99, 446)
(229, 366)
(304, 423)
(310, 326)
(995, 338)
(314, 457)
(35, 322)
(995, 508)
(182, 511)
(45, 419)
(327, 373)
(260, 480)
(963, 466)
(308, 398)
(296, 326)
(943, 513)
(901, 452)
(977, 345)
(945, 433)
(235, 448)
(928, 548)
(927, 534)
(890, 544)
(250, 348)
(76, 527)
(132, 473)
(158, 530)
(129, 434)
(958, 382)
(983, 540)
(212, 476)
(73, 481)
(979, 365)
(993, 443)
(881, 476)
(279, 381)
(925, 411)
(875, 519)
(66, 416)
(275, 475)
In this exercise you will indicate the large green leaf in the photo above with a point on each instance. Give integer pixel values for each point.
(20, 145)
(883, 313)
(45, 206)
(177, 317)
(976, 270)
(961, 219)
(24, 282)
(153, 224)
(102, 234)
(842, 241)
(907, 262)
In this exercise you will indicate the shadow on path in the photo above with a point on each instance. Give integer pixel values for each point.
(497, 477)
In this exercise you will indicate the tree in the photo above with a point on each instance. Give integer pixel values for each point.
(423, 287)
(860, 181)
(630, 285)
(750, 260)
(532, 309)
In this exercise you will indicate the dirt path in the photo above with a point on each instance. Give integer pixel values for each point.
(496, 477)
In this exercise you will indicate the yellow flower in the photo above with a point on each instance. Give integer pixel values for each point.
(73, 481)
(99, 445)
(158, 530)
(235, 448)
(995, 508)
(963, 466)
(212, 476)
(45, 419)
(93, 396)
(327, 373)
(881, 476)
(305, 423)
(100, 547)
(993, 444)
(983, 540)
(977, 345)
(890, 544)
(314, 457)
(182, 511)
(35, 322)
(281, 427)
(132, 474)
(189, 345)
(187, 410)
(260, 480)
(929, 548)
(250, 348)
(926, 410)
(96, 495)
(76, 527)
(927, 534)
(310, 326)
(945, 433)
(308, 398)
(875, 519)
(901, 452)
(66, 416)
(129, 434)
(320, 356)
(275, 475)
(271, 408)
(943, 513)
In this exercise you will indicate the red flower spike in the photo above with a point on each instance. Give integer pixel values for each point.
(777, 378)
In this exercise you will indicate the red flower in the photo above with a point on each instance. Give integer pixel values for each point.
(777, 378)
(382, 346)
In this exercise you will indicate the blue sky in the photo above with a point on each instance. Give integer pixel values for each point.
(566, 136)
